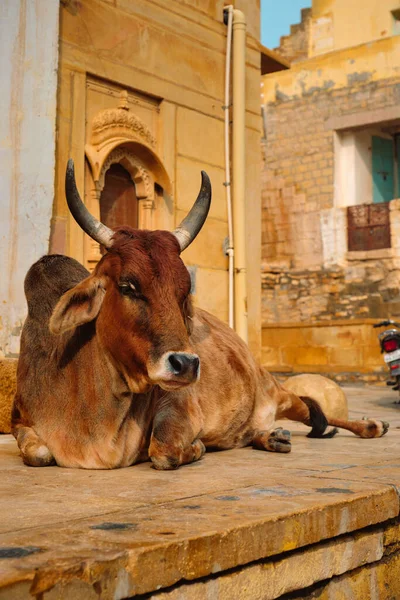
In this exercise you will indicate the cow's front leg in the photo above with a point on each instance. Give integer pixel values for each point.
(175, 437)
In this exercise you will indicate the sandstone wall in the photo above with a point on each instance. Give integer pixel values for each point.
(167, 60)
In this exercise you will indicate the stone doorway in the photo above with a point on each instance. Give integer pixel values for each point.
(118, 200)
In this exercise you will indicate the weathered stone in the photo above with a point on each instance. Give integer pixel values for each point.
(8, 385)
(272, 579)
(379, 580)
(134, 531)
(307, 110)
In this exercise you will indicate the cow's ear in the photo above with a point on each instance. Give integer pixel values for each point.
(79, 305)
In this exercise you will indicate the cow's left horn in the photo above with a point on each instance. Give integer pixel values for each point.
(99, 232)
(194, 221)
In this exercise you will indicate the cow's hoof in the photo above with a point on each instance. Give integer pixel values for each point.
(279, 440)
(170, 462)
(375, 429)
(199, 450)
(36, 454)
(165, 463)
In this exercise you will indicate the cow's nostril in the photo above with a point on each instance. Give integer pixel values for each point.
(184, 364)
(176, 363)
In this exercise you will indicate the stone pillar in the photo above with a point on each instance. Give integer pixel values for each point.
(29, 58)
(146, 208)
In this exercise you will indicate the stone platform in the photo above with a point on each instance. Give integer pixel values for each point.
(321, 522)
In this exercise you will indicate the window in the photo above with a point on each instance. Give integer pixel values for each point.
(367, 166)
(373, 182)
(396, 21)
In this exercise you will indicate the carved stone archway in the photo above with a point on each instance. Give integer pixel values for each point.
(119, 136)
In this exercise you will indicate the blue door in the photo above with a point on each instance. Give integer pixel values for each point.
(382, 169)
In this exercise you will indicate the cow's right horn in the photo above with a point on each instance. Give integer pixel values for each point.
(99, 232)
(194, 221)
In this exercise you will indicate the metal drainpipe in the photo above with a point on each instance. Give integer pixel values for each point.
(239, 171)
(228, 20)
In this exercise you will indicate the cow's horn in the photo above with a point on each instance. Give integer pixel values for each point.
(194, 221)
(99, 232)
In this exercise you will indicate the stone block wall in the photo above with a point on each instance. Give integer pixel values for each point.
(344, 350)
(307, 272)
(309, 277)
(298, 174)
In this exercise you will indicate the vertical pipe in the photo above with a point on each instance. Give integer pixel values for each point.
(226, 107)
(238, 172)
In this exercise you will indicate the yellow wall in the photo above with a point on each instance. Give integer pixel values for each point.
(340, 24)
(169, 57)
(362, 64)
(329, 348)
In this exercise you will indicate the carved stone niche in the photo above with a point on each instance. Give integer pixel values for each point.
(119, 136)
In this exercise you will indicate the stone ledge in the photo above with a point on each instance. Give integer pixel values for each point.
(377, 580)
(301, 569)
(342, 377)
(327, 323)
(371, 254)
(116, 534)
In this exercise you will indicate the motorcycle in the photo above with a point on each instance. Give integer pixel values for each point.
(389, 341)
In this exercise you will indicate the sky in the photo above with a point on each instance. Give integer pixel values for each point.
(276, 18)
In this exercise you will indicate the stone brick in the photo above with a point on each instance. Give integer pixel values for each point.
(380, 580)
(270, 580)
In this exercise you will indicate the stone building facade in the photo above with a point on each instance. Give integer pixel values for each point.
(133, 91)
(331, 217)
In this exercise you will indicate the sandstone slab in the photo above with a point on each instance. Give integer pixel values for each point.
(236, 520)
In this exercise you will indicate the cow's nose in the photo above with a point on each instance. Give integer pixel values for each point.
(184, 365)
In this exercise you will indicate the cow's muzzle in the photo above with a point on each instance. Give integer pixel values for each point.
(184, 365)
(176, 369)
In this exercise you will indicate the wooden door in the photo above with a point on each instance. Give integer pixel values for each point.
(118, 201)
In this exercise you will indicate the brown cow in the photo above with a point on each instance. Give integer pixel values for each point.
(116, 367)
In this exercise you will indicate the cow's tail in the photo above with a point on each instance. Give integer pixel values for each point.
(318, 421)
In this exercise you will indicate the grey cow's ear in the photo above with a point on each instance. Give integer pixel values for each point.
(79, 305)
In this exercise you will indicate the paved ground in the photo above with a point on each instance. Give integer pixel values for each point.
(135, 530)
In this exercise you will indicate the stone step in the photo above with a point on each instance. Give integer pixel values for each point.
(238, 524)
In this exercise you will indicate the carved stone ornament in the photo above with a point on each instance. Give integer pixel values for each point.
(144, 183)
(119, 122)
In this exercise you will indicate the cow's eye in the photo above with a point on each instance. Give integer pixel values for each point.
(128, 289)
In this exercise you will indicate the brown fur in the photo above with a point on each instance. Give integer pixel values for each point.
(88, 392)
